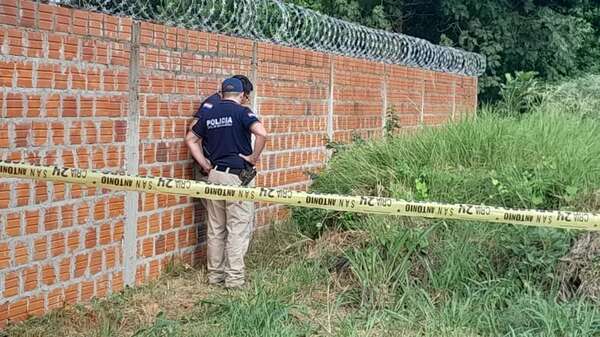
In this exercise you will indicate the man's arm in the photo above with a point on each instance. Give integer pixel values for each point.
(194, 143)
(192, 123)
(258, 130)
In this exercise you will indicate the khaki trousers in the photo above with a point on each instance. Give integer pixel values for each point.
(228, 233)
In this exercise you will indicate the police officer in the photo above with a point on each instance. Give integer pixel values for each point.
(215, 98)
(225, 133)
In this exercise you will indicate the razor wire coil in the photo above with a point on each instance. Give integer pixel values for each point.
(291, 25)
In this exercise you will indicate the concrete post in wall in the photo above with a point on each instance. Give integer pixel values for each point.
(422, 111)
(254, 78)
(254, 100)
(132, 156)
(330, 126)
(453, 116)
(384, 94)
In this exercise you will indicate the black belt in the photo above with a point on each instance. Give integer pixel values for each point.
(228, 170)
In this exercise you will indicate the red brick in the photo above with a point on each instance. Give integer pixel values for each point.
(67, 212)
(69, 106)
(14, 105)
(41, 192)
(147, 248)
(58, 133)
(11, 284)
(17, 311)
(8, 12)
(30, 278)
(105, 234)
(13, 224)
(28, 14)
(102, 287)
(48, 275)
(81, 264)
(99, 210)
(87, 290)
(52, 104)
(24, 74)
(64, 270)
(117, 282)
(57, 244)
(118, 232)
(3, 315)
(22, 131)
(91, 239)
(35, 306)
(73, 241)
(32, 219)
(54, 299)
(51, 218)
(21, 254)
(82, 214)
(110, 258)
(4, 256)
(40, 249)
(72, 294)
(96, 262)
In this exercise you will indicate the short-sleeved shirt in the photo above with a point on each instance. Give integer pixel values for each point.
(208, 104)
(225, 133)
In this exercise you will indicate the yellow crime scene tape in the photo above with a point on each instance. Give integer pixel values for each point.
(361, 204)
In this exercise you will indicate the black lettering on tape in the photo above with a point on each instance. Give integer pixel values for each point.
(421, 209)
(116, 181)
(321, 201)
(165, 182)
(218, 191)
(376, 202)
(445, 211)
(145, 184)
(246, 194)
(20, 171)
(267, 192)
(183, 184)
(77, 173)
(474, 210)
(544, 219)
(38, 173)
(518, 217)
(60, 172)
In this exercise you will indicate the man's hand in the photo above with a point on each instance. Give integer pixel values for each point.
(194, 143)
(206, 166)
(252, 159)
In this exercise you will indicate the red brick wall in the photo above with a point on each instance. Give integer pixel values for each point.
(67, 98)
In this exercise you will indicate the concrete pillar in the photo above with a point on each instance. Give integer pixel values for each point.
(132, 159)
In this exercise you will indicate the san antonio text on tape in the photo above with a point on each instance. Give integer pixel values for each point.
(361, 204)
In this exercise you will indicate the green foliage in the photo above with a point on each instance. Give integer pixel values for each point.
(392, 121)
(580, 97)
(255, 313)
(555, 39)
(162, 327)
(520, 93)
(383, 267)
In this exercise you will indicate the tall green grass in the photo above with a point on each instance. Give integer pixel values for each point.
(459, 278)
(546, 160)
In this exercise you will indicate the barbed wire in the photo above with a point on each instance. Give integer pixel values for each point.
(292, 25)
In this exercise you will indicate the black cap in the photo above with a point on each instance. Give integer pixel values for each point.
(248, 87)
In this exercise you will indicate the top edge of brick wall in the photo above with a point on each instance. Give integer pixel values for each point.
(59, 19)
